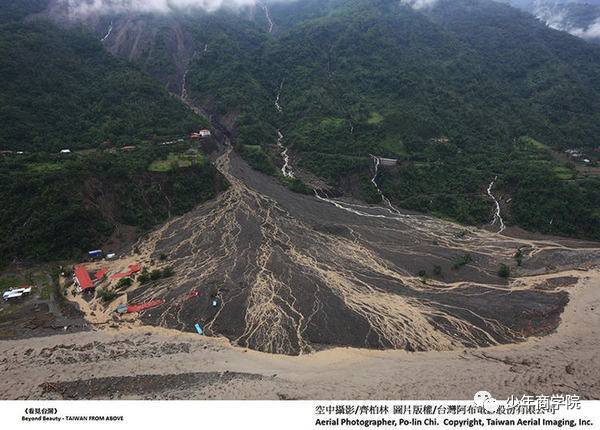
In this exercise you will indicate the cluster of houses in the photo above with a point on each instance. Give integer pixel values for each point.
(63, 152)
(577, 155)
(202, 134)
(87, 281)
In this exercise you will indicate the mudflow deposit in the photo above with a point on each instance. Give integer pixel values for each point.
(287, 273)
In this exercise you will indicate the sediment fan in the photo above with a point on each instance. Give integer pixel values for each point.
(290, 273)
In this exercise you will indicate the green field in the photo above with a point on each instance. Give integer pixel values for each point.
(536, 144)
(44, 167)
(375, 118)
(176, 161)
(564, 173)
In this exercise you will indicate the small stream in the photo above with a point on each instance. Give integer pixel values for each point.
(277, 105)
(108, 33)
(268, 15)
(385, 200)
(497, 216)
(286, 170)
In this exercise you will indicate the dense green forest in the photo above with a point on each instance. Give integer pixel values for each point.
(57, 207)
(14, 11)
(60, 89)
(377, 77)
(457, 93)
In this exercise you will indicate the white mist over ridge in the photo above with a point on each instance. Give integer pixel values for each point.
(557, 14)
(592, 32)
(419, 4)
(103, 7)
(579, 17)
(100, 7)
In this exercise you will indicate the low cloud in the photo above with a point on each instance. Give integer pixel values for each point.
(88, 7)
(419, 4)
(559, 22)
(592, 32)
(95, 7)
(560, 16)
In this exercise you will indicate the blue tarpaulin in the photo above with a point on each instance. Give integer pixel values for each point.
(199, 329)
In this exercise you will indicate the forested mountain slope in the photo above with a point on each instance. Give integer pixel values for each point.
(56, 208)
(377, 77)
(60, 89)
(461, 93)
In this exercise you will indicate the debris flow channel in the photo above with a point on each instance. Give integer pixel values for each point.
(288, 273)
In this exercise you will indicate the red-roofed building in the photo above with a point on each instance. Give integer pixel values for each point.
(144, 306)
(133, 268)
(82, 279)
(100, 274)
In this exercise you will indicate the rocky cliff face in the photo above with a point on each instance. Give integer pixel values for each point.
(157, 43)
(161, 44)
